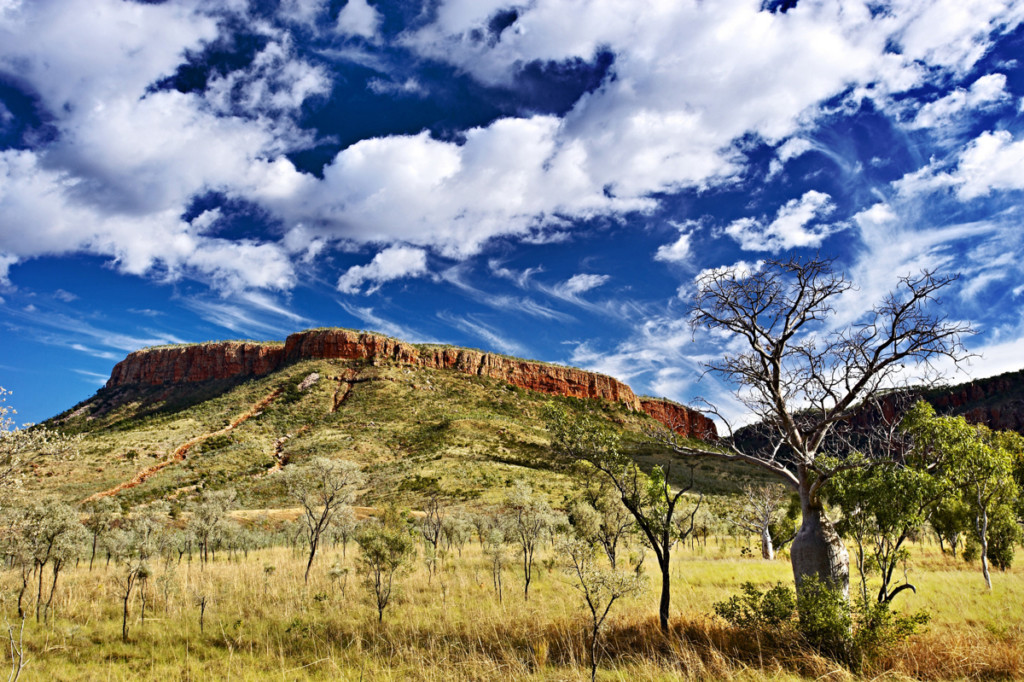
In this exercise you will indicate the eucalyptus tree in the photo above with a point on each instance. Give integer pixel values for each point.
(51, 536)
(321, 487)
(597, 514)
(23, 446)
(802, 373)
(884, 506)
(527, 518)
(100, 515)
(387, 546)
(208, 519)
(649, 498)
(978, 463)
(431, 524)
(599, 587)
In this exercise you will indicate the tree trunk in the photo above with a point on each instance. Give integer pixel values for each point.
(767, 549)
(665, 595)
(983, 537)
(818, 550)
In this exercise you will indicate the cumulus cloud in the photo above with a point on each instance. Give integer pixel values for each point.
(993, 161)
(578, 284)
(987, 90)
(688, 80)
(679, 250)
(395, 262)
(358, 18)
(789, 229)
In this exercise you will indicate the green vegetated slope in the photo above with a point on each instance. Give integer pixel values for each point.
(414, 432)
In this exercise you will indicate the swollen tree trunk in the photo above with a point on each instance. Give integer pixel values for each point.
(818, 550)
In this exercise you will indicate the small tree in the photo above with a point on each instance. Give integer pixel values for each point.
(762, 507)
(528, 518)
(101, 514)
(386, 546)
(648, 497)
(597, 514)
(883, 507)
(321, 487)
(496, 549)
(600, 588)
(207, 522)
(977, 462)
(431, 527)
(51, 536)
(21, 447)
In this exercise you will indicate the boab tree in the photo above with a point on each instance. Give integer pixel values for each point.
(803, 375)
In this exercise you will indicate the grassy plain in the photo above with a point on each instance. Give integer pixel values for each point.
(268, 625)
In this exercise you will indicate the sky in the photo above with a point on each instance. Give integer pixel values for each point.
(543, 178)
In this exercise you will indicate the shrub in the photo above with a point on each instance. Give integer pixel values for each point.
(754, 609)
(823, 618)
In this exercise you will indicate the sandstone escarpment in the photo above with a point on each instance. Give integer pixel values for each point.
(200, 362)
(232, 360)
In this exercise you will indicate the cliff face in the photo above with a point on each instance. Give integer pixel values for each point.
(997, 402)
(234, 360)
(203, 362)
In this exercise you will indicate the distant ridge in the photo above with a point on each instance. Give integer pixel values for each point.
(191, 363)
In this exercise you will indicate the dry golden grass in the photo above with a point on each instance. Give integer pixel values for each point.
(261, 625)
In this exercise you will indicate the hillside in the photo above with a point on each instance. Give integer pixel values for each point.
(419, 418)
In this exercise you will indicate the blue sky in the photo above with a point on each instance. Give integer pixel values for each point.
(542, 178)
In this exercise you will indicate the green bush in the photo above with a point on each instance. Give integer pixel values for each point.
(823, 618)
(754, 609)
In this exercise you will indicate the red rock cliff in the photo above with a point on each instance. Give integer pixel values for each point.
(232, 359)
(201, 362)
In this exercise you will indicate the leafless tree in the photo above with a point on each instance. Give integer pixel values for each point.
(761, 506)
(801, 375)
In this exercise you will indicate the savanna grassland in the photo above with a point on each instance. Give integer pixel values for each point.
(171, 452)
(262, 622)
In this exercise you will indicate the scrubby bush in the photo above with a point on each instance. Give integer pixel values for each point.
(822, 618)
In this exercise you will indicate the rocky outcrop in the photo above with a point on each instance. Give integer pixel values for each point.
(997, 402)
(231, 360)
(193, 363)
(680, 418)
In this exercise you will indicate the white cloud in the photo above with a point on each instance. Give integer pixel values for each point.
(472, 325)
(395, 262)
(581, 283)
(690, 78)
(681, 249)
(456, 276)
(358, 18)
(65, 296)
(790, 149)
(790, 228)
(993, 161)
(378, 324)
(408, 87)
(520, 277)
(986, 90)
